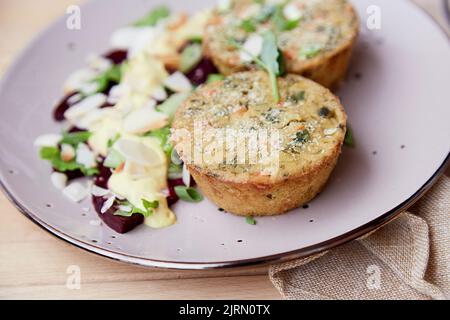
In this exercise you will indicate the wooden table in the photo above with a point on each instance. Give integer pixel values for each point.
(33, 263)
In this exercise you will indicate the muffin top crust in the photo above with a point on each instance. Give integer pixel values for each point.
(233, 129)
(307, 30)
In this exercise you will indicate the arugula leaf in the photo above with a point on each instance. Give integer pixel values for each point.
(48, 153)
(53, 155)
(250, 220)
(149, 206)
(270, 53)
(188, 194)
(190, 57)
(153, 17)
(270, 57)
(75, 138)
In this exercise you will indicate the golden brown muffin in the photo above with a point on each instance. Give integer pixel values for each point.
(317, 43)
(305, 132)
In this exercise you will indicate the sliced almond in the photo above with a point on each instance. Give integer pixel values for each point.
(85, 156)
(59, 180)
(82, 108)
(67, 152)
(95, 223)
(143, 120)
(160, 94)
(178, 82)
(76, 191)
(79, 78)
(48, 140)
(137, 152)
(136, 170)
(330, 131)
(125, 208)
(98, 63)
(291, 12)
(108, 204)
(99, 191)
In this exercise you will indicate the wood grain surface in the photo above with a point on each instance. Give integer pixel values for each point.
(33, 264)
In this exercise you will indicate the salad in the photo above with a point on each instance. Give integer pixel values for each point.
(118, 111)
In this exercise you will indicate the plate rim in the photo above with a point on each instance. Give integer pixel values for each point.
(342, 239)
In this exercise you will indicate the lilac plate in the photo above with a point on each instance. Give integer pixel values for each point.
(396, 95)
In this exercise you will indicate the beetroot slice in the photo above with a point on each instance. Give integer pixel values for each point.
(116, 56)
(62, 107)
(172, 198)
(199, 74)
(117, 223)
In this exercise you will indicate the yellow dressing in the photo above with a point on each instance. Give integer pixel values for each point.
(147, 185)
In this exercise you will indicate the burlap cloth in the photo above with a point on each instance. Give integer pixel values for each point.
(406, 259)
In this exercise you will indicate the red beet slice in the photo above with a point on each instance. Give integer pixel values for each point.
(117, 56)
(199, 74)
(63, 106)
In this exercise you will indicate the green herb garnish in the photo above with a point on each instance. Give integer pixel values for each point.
(250, 220)
(53, 155)
(112, 75)
(113, 140)
(75, 138)
(324, 112)
(298, 96)
(348, 140)
(265, 14)
(248, 25)
(188, 194)
(148, 205)
(162, 135)
(280, 22)
(270, 57)
(153, 17)
(190, 57)
(302, 136)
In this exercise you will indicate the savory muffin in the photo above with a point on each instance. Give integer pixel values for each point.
(253, 156)
(315, 36)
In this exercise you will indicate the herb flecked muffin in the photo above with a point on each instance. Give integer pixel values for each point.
(315, 36)
(310, 124)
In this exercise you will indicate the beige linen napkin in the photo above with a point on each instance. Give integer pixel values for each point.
(407, 259)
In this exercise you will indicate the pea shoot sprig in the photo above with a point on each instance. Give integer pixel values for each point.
(270, 60)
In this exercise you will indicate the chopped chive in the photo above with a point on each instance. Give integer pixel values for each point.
(250, 220)
(349, 140)
(188, 194)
